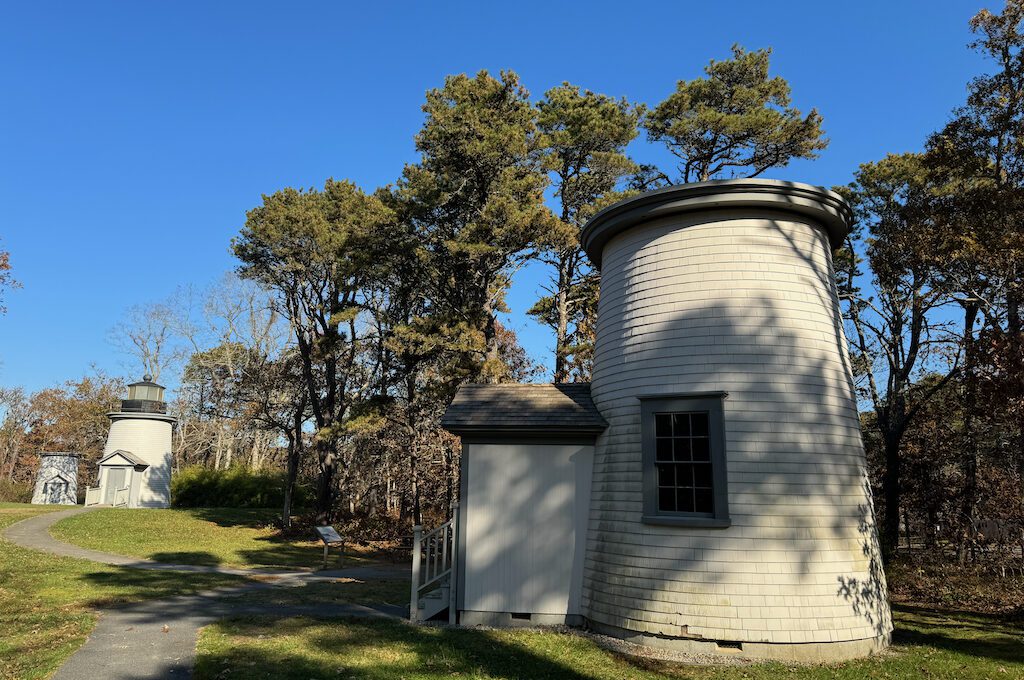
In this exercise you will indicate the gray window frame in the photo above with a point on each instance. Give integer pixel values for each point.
(713, 405)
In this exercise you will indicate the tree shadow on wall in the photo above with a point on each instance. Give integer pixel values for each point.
(795, 464)
(868, 595)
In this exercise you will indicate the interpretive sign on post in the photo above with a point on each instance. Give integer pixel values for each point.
(330, 536)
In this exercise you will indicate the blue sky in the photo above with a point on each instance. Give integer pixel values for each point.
(135, 135)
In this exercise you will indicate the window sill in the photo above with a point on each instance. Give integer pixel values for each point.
(697, 522)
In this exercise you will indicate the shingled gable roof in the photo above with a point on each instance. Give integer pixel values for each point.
(127, 455)
(524, 408)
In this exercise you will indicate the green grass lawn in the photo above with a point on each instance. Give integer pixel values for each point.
(47, 607)
(927, 644)
(211, 536)
(47, 602)
(338, 591)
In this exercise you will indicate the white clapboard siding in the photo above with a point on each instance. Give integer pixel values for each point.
(525, 524)
(147, 437)
(744, 303)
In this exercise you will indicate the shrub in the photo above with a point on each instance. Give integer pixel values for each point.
(237, 487)
(364, 529)
(15, 492)
(945, 584)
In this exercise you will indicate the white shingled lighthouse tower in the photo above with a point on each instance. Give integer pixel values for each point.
(135, 470)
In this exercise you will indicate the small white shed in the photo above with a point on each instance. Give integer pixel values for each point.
(527, 460)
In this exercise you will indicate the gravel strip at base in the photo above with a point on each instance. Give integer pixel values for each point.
(633, 650)
(624, 647)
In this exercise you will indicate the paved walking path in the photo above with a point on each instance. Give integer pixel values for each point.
(34, 533)
(157, 638)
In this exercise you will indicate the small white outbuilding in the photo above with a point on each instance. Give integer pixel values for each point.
(707, 490)
(526, 469)
(57, 479)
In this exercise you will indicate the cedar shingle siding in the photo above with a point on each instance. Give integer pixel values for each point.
(743, 302)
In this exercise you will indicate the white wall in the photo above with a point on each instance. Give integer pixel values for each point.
(526, 513)
(49, 467)
(743, 302)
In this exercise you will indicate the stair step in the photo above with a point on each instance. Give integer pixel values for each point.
(424, 601)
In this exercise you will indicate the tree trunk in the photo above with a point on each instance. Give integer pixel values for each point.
(933, 519)
(256, 450)
(891, 492)
(970, 453)
(906, 529)
(413, 443)
(562, 315)
(1015, 332)
(13, 462)
(289, 484)
(449, 479)
(218, 444)
(491, 341)
(325, 483)
(417, 518)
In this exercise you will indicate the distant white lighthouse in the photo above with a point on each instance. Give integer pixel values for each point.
(135, 470)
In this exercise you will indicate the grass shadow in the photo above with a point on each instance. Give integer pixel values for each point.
(997, 638)
(122, 585)
(373, 650)
(195, 557)
(252, 518)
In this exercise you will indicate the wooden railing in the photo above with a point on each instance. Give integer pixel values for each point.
(92, 495)
(435, 564)
(121, 497)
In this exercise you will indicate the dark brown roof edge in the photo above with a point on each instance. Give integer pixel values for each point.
(824, 206)
(457, 428)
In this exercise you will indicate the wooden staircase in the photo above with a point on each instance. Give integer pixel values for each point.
(435, 570)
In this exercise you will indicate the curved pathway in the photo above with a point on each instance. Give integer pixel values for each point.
(157, 638)
(34, 533)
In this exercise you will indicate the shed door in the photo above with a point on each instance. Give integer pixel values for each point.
(115, 481)
(525, 523)
(55, 491)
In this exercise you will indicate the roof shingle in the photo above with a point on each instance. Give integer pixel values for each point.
(565, 407)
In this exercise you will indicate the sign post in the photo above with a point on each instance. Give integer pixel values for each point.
(331, 537)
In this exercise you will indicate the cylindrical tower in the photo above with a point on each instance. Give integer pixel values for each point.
(143, 428)
(730, 507)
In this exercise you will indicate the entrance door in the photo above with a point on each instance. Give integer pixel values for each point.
(55, 490)
(115, 481)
